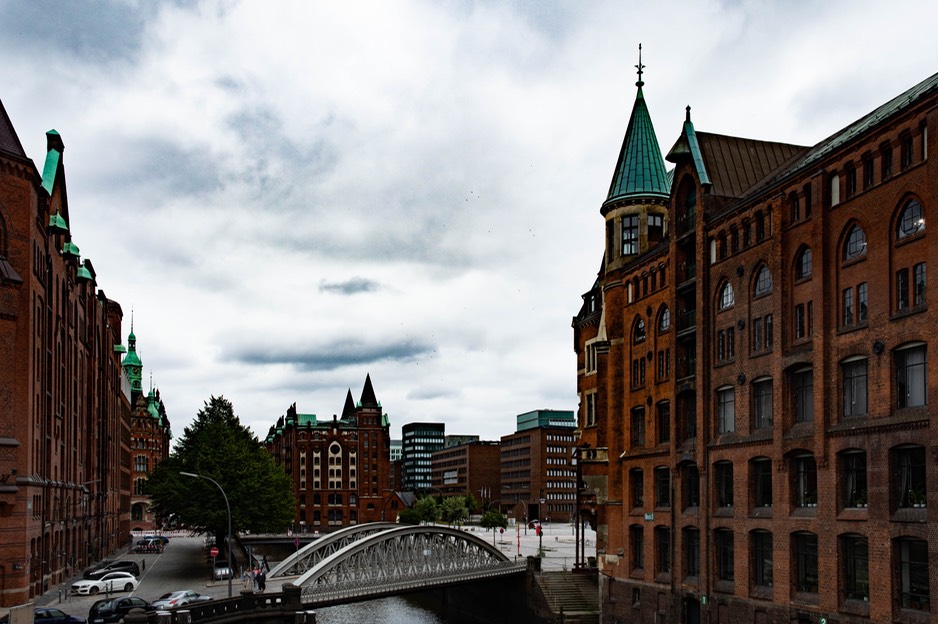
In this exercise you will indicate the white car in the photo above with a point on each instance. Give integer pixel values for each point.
(178, 598)
(110, 582)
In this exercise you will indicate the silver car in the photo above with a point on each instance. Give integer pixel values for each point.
(178, 598)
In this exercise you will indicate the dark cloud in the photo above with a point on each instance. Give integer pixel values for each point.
(350, 287)
(425, 394)
(329, 356)
(163, 167)
(93, 30)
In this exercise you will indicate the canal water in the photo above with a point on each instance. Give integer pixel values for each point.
(394, 610)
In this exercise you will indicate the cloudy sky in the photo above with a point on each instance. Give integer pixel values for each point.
(291, 195)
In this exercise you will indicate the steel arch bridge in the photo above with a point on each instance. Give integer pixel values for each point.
(379, 559)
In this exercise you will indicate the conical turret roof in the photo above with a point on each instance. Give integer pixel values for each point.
(368, 394)
(640, 170)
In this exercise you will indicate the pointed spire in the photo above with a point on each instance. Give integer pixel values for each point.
(640, 170)
(349, 410)
(368, 394)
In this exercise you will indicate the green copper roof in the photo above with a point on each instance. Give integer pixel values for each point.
(688, 145)
(151, 405)
(70, 249)
(303, 420)
(640, 170)
(57, 224)
(53, 157)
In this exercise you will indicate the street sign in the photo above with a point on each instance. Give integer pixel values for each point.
(296, 542)
(213, 551)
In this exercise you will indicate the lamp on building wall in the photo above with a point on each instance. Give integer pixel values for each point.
(228, 509)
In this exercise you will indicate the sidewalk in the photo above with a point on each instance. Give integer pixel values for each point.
(557, 543)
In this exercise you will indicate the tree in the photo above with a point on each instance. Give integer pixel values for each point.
(493, 519)
(408, 516)
(427, 509)
(217, 446)
(454, 510)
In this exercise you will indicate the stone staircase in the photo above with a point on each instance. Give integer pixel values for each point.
(573, 598)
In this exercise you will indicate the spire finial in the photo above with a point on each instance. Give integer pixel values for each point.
(640, 67)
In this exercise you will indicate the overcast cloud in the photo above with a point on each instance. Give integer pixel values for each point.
(291, 195)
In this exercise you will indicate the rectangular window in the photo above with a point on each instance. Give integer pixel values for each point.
(757, 330)
(629, 235)
(905, 150)
(867, 171)
(913, 573)
(805, 481)
(691, 487)
(762, 558)
(726, 410)
(902, 289)
(761, 482)
(637, 483)
(663, 550)
(918, 283)
(768, 332)
(591, 409)
(862, 312)
(856, 567)
(806, 573)
(886, 161)
(851, 174)
(911, 377)
(762, 404)
(846, 304)
(910, 476)
(724, 483)
(664, 423)
(802, 386)
(655, 227)
(855, 388)
(691, 552)
(637, 547)
(662, 487)
(723, 539)
(638, 427)
(689, 418)
(854, 468)
(801, 329)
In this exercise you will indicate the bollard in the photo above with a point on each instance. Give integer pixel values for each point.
(164, 617)
(299, 617)
(310, 617)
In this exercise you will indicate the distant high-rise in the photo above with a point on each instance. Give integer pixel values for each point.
(419, 442)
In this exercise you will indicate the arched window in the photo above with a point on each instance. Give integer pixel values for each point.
(803, 263)
(726, 296)
(912, 220)
(638, 331)
(855, 245)
(763, 281)
(664, 319)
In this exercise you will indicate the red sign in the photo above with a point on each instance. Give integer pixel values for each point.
(213, 551)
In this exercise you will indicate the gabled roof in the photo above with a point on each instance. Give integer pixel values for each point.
(9, 142)
(736, 165)
(640, 170)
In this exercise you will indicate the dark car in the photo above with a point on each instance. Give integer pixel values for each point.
(114, 609)
(50, 615)
(122, 565)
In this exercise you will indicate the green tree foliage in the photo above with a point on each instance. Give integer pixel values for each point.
(493, 519)
(217, 446)
(427, 509)
(471, 503)
(408, 516)
(454, 510)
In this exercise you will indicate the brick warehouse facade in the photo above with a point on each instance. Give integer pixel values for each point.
(340, 468)
(755, 441)
(64, 414)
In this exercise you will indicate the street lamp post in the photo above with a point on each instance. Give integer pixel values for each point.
(228, 509)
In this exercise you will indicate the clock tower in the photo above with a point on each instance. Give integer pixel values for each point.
(133, 368)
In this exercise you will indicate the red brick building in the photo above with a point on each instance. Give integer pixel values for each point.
(756, 443)
(471, 468)
(150, 436)
(341, 468)
(64, 412)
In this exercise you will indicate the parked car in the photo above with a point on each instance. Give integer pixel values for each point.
(122, 565)
(114, 609)
(98, 566)
(156, 538)
(179, 598)
(222, 572)
(110, 582)
(51, 615)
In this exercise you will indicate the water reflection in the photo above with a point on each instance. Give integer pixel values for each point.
(393, 610)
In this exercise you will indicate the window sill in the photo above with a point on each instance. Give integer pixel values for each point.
(910, 514)
(910, 311)
(723, 512)
(724, 586)
(760, 512)
(808, 598)
(849, 329)
(762, 592)
(663, 577)
(855, 606)
(804, 512)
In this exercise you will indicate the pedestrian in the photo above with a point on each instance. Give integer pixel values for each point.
(261, 581)
(143, 565)
(245, 579)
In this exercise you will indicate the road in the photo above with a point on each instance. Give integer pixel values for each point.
(183, 564)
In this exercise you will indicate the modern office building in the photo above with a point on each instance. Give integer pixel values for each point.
(468, 468)
(756, 442)
(538, 478)
(340, 467)
(64, 406)
(420, 440)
